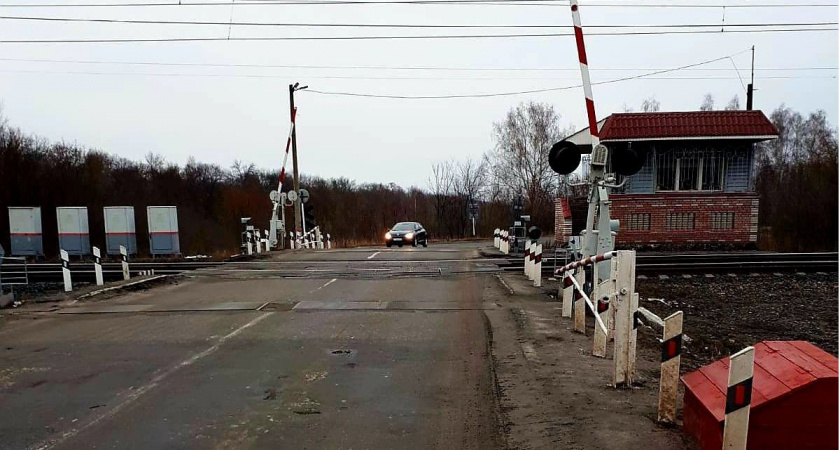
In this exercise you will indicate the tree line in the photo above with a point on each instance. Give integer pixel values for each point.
(211, 199)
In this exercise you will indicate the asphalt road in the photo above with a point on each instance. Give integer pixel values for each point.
(347, 349)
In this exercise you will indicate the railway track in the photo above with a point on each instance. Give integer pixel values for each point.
(646, 264)
(714, 263)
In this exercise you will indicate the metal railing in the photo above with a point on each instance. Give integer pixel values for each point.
(17, 275)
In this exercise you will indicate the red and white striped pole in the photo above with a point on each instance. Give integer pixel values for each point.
(584, 73)
(286, 156)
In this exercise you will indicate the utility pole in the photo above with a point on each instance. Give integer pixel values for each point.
(752, 80)
(296, 181)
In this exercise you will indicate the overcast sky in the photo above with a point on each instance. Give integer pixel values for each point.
(218, 114)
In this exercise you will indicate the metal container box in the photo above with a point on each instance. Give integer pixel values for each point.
(73, 231)
(25, 231)
(119, 229)
(163, 230)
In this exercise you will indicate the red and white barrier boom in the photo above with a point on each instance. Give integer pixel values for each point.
(278, 198)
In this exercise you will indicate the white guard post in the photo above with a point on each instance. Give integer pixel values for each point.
(267, 241)
(97, 266)
(292, 240)
(527, 260)
(329, 242)
(318, 238)
(507, 242)
(579, 304)
(496, 238)
(738, 397)
(568, 295)
(258, 241)
(65, 271)
(124, 257)
(669, 376)
(538, 267)
(250, 246)
(532, 260)
(627, 304)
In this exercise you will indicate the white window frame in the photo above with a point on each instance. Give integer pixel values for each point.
(699, 185)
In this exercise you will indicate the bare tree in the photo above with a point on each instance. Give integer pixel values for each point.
(734, 104)
(708, 103)
(519, 161)
(441, 184)
(650, 104)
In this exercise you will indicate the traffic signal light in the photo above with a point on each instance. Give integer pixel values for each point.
(309, 216)
(564, 157)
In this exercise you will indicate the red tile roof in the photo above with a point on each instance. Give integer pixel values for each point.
(688, 125)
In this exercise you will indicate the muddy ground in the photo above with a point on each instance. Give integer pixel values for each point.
(726, 313)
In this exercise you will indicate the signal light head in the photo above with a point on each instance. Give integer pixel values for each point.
(627, 161)
(564, 157)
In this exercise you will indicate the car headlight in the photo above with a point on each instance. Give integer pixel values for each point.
(409, 235)
(387, 235)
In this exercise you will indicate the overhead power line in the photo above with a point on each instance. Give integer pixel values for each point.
(381, 67)
(393, 37)
(375, 78)
(555, 3)
(512, 93)
(382, 25)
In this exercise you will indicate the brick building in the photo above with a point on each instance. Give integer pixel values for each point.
(695, 186)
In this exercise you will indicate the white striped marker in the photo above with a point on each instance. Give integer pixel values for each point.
(124, 257)
(538, 266)
(738, 397)
(249, 246)
(329, 242)
(97, 266)
(267, 241)
(65, 271)
(258, 241)
(669, 376)
(532, 260)
(527, 263)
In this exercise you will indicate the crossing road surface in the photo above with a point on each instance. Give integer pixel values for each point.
(365, 348)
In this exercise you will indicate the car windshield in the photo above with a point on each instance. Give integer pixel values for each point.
(404, 226)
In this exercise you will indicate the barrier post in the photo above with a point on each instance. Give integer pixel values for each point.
(579, 303)
(267, 241)
(738, 397)
(250, 246)
(669, 376)
(496, 238)
(538, 267)
(329, 242)
(65, 271)
(627, 302)
(124, 257)
(97, 266)
(258, 241)
(568, 294)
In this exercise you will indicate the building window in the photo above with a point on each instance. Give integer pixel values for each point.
(723, 220)
(679, 221)
(689, 171)
(637, 222)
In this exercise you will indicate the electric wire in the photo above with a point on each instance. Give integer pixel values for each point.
(378, 25)
(394, 37)
(512, 93)
(554, 3)
(383, 67)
